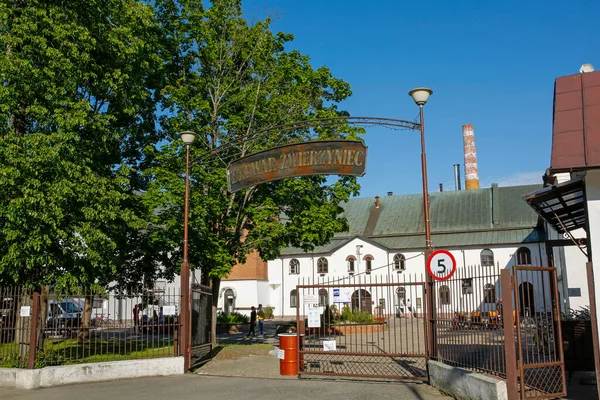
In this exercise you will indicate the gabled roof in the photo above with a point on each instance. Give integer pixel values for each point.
(496, 215)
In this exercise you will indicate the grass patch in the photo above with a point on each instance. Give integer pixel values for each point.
(69, 351)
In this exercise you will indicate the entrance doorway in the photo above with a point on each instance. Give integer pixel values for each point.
(526, 299)
(229, 303)
(364, 298)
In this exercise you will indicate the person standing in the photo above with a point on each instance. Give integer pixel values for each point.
(136, 317)
(261, 320)
(410, 309)
(252, 322)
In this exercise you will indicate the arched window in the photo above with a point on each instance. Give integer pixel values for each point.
(523, 256)
(293, 299)
(323, 297)
(351, 264)
(322, 265)
(487, 258)
(229, 301)
(399, 262)
(489, 293)
(294, 267)
(444, 295)
(368, 264)
(401, 293)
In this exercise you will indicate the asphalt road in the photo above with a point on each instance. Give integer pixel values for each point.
(212, 387)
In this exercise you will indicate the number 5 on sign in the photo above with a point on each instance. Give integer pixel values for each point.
(441, 265)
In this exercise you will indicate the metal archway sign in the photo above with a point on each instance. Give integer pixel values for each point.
(323, 157)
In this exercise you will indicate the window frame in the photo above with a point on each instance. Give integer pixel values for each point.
(322, 266)
(527, 252)
(293, 298)
(294, 262)
(399, 262)
(368, 264)
(489, 258)
(489, 293)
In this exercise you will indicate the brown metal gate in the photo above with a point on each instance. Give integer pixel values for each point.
(201, 350)
(540, 363)
(363, 328)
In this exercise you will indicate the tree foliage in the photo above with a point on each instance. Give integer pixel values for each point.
(234, 80)
(77, 108)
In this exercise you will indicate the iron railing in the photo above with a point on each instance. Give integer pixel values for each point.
(86, 326)
(370, 327)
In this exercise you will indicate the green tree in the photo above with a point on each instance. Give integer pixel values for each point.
(80, 82)
(232, 81)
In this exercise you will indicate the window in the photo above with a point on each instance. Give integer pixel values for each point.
(467, 286)
(293, 299)
(489, 293)
(322, 265)
(369, 264)
(351, 262)
(323, 297)
(401, 293)
(444, 295)
(524, 256)
(487, 258)
(399, 262)
(294, 267)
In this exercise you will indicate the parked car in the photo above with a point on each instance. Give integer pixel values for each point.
(64, 316)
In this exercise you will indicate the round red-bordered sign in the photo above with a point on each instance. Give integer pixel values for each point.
(441, 260)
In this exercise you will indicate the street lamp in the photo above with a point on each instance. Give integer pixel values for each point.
(420, 96)
(188, 138)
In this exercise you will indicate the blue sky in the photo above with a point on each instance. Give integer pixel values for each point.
(489, 63)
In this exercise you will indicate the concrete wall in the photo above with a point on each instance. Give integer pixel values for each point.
(82, 373)
(592, 186)
(462, 384)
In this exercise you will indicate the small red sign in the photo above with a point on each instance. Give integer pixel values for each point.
(441, 265)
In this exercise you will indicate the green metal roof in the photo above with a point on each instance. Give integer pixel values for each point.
(449, 240)
(496, 215)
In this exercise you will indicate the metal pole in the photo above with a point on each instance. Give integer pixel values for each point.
(185, 271)
(510, 358)
(428, 279)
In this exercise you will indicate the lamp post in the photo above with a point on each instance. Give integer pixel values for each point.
(188, 138)
(420, 97)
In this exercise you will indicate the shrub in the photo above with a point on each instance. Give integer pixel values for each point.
(356, 316)
(268, 311)
(233, 318)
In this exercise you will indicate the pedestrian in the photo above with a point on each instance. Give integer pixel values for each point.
(252, 322)
(410, 309)
(136, 317)
(261, 319)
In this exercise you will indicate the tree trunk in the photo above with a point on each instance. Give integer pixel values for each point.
(215, 284)
(43, 316)
(84, 331)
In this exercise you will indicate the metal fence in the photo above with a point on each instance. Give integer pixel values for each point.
(201, 349)
(468, 323)
(370, 327)
(86, 326)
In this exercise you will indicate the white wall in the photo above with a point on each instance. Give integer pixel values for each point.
(592, 184)
(382, 270)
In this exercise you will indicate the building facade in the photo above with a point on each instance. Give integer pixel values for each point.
(488, 228)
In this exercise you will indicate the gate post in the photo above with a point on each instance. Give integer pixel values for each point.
(510, 358)
(33, 333)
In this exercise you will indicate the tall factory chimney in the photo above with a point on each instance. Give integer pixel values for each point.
(471, 171)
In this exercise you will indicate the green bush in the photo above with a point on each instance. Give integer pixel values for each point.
(356, 316)
(233, 318)
(269, 311)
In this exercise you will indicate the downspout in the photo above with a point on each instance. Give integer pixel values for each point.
(282, 289)
(313, 268)
(464, 258)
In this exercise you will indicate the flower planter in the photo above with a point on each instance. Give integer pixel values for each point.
(349, 329)
(233, 328)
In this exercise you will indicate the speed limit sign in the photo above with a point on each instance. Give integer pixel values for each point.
(441, 265)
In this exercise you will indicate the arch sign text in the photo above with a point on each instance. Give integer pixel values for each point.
(325, 157)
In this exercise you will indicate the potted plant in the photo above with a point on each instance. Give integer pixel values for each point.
(269, 312)
(232, 323)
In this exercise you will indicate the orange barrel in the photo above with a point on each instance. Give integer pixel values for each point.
(288, 342)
